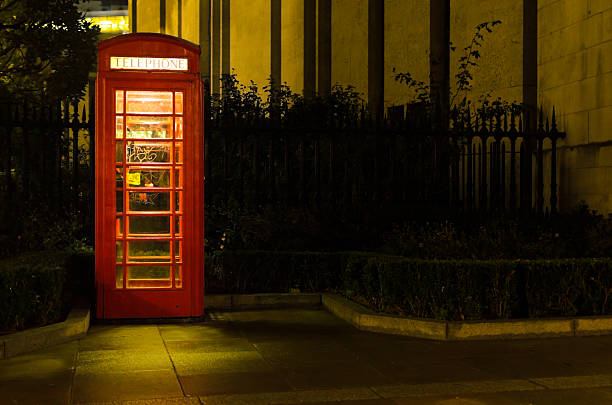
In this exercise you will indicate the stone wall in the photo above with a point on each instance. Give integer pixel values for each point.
(574, 63)
(406, 46)
(575, 75)
(250, 40)
(349, 44)
(292, 44)
(500, 68)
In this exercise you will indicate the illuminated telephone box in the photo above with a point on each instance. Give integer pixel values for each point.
(149, 178)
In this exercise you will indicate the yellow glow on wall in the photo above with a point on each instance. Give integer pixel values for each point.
(111, 23)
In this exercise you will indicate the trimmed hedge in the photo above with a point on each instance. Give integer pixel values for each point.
(257, 271)
(35, 287)
(440, 289)
(32, 290)
(482, 289)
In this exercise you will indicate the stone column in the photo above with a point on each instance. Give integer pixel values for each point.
(310, 48)
(439, 60)
(225, 38)
(530, 97)
(376, 57)
(324, 48)
(275, 44)
(205, 51)
(215, 54)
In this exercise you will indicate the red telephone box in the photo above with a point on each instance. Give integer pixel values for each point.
(149, 178)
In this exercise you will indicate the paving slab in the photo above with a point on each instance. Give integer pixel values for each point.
(121, 361)
(116, 337)
(157, 401)
(356, 402)
(300, 356)
(52, 388)
(548, 397)
(202, 332)
(40, 364)
(145, 384)
(41, 377)
(479, 399)
(301, 353)
(235, 383)
(330, 396)
(219, 362)
(209, 346)
(336, 376)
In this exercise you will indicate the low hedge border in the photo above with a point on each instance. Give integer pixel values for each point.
(364, 319)
(454, 290)
(459, 290)
(38, 288)
(35, 288)
(32, 290)
(261, 271)
(241, 302)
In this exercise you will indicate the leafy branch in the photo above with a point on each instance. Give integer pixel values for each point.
(463, 79)
(468, 60)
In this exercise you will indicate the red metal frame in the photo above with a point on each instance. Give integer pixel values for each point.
(179, 299)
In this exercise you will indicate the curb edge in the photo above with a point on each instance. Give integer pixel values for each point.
(431, 329)
(75, 326)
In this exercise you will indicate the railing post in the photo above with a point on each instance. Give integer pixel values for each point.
(502, 195)
(91, 127)
(492, 175)
(470, 174)
(256, 167)
(347, 173)
(317, 170)
(286, 167)
(454, 178)
(553, 165)
(332, 168)
(8, 172)
(540, 163)
(25, 159)
(271, 181)
(512, 164)
(483, 167)
(526, 164)
(75, 154)
(302, 182)
(225, 166)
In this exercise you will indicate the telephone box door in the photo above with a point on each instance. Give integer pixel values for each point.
(149, 194)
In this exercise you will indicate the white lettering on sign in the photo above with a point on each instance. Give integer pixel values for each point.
(127, 62)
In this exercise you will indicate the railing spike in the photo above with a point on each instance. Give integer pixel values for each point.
(541, 119)
(554, 120)
(66, 111)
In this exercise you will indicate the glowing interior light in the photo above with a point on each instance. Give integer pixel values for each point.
(116, 23)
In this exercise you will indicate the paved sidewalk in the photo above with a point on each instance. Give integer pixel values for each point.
(287, 357)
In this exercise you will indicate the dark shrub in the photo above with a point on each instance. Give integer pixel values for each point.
(440, 289)
(32, 290)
